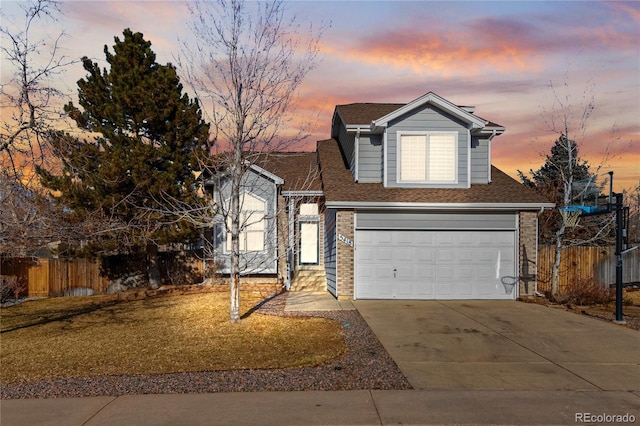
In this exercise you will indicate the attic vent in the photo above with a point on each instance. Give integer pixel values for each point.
(470, 109)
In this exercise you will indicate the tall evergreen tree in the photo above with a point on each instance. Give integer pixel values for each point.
(148, 136)
(558, 171)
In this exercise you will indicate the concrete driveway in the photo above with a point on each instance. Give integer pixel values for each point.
(503, 345)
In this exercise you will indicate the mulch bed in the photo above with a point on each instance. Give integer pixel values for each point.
(366, 365)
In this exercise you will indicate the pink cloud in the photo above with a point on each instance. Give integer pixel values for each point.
(433, 52)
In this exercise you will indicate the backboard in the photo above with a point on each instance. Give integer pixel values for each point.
(593, 195)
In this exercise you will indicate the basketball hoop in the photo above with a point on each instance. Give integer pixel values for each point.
(509, 283)
(570, 215)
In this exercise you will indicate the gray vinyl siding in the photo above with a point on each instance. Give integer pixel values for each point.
(479, 160)
(260, 262)
(330, 250)
(427, 119)
(370, 158)
(347, 144)
(393, 220)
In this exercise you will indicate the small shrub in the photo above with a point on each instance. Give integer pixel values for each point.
(588, 292)
(11, 288)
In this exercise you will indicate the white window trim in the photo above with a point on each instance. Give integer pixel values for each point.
(399, 135)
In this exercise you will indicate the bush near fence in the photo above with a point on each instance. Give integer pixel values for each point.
(51, 277)
(583, 264)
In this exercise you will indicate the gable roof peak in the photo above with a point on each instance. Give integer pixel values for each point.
(431, 98)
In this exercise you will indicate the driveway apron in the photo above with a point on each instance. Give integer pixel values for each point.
(503, 345)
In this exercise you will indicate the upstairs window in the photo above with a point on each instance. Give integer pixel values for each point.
(252, 227)
(427, 157)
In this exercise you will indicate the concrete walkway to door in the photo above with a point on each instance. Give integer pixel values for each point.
(503, 345)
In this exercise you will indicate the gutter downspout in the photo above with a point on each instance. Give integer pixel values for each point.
(489, 152)
(535, 284)
(290, 244)
(356, 154)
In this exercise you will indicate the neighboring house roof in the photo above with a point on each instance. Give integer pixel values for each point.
(340, 190)
(295, 171)
(299, 170)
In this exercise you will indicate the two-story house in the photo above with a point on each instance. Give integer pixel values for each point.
(403, 204)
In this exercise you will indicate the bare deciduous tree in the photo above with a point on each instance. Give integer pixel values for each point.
(556, 179)
(30, 108)
(246, 64)
(30, 101)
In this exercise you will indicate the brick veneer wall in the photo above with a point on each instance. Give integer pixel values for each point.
(344, 225)
(528, 254)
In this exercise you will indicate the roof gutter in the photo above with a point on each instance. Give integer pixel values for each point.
(303, 193)
(376, 205)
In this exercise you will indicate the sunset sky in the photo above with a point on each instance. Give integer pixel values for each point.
(499, 56)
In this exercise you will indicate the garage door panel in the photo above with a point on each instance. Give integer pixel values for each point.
(384, 254)
(383, 238)
(484, 239)
(462, 239)
(384, 272)
(444, 239)
(434, 264)
(402, 238)
(485, 273)
(423, 255)
(444, 255)
(404, 255)
(466, 255)
(425, 238)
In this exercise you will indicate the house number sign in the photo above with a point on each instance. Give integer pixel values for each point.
(345, 240)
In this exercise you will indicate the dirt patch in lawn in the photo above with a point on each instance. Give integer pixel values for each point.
(156, 334)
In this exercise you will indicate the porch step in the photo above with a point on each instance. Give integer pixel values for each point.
(309, 280)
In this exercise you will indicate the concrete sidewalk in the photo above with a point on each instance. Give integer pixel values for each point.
(326, 408)
(302, 301)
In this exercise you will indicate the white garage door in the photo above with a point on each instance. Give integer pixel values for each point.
(434, 264)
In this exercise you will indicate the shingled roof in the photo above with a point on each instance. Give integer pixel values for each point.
(365, 113)
(299, 170)
(339, 186)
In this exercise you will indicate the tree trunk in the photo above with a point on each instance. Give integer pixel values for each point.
(234, 311)
(153, 267)
(555, 271)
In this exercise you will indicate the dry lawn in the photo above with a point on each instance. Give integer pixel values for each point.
(107, 336)
(630, 309)
(605, 311)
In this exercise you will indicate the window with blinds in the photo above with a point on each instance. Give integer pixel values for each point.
(427, 158)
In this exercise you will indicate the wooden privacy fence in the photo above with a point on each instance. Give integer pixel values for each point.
(46, 277)
(49, 277)
(586, 263)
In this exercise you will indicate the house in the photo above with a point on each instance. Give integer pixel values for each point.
(280, 221)
(402, 202)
